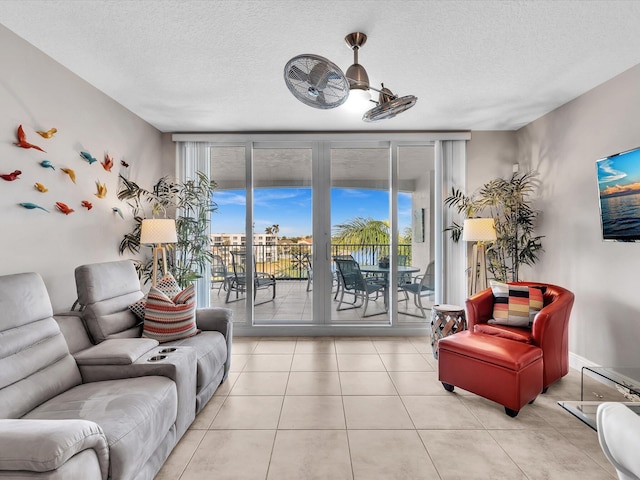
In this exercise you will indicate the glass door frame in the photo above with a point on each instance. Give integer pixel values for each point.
(321, 148)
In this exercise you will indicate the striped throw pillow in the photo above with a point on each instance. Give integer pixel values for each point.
(167, 319)
(515, 305)
(167, 285)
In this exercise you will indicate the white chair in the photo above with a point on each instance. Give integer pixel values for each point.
(619, 435)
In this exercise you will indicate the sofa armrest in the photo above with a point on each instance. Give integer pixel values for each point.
(115, 351)
(214, 319)
(44, 445)
(219, 320)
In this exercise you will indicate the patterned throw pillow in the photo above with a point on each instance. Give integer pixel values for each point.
(167, 285)
(166, 319)
(515, 305)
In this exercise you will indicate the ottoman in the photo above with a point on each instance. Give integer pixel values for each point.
(504, 371)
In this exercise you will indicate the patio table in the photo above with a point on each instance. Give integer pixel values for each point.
(378, 270)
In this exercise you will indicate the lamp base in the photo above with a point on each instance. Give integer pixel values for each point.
(478, 272)
(158, 250)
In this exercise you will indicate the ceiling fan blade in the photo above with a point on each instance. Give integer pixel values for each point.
(296, 73)
(319, 76)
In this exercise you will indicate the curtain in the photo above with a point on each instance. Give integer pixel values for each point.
(451, 171)
(195, 157)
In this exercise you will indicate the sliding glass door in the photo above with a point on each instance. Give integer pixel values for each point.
(291, 209)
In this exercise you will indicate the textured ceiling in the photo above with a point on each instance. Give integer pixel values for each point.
(217, 65)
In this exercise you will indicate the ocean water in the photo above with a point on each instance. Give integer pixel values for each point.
(621, 217)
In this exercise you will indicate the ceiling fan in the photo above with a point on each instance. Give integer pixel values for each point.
(319, 83)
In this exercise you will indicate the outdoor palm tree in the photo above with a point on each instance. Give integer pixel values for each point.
(273, 230)
(276, 229)
(363, 232)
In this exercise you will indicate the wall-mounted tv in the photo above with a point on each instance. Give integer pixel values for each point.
(619, 187)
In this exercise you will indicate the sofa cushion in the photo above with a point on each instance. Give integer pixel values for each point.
(135, 414)
(166, 319)
(35, 363)
(211, 349)
(109, 318)
(515, 305)
(105, 290)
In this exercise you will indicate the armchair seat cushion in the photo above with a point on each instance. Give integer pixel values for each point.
(135, 415)
(517, 334)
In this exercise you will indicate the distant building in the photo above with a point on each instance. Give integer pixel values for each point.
(265, 245)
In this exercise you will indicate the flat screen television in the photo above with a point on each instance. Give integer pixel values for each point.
(619, 191)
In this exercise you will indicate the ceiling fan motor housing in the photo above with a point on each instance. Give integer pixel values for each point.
(356, 73)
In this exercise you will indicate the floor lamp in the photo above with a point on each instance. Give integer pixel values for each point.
(478, 230)
(156, 231)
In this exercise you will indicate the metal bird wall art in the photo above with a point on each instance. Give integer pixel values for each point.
(47, 164)
(107, 164)
(48, 134)
(87, 204)
(124, 164)
(40, 187)
(31, 206)
(87, 156)
(71, 173)
(64, 208)
(102, 189)
(118, 211)
(22, 140)
(10, 177)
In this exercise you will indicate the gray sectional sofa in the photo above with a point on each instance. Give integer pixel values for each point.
(73, 409)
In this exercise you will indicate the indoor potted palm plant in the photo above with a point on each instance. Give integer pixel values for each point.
(508, 202)
(191, 203)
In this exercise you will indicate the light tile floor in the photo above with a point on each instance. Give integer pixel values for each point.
(371, 408)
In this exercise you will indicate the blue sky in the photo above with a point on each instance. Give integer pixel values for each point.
(619, 174)
(290, 208)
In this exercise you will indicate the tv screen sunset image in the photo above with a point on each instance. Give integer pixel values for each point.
(619, 186)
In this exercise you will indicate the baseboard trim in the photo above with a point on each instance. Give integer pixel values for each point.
(577, 362)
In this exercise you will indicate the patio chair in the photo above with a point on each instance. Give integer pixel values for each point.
(353, 282)
(219, 273)
(422, 286)
(403, 278)
(306, 258)
(335, 277)
(237, 280)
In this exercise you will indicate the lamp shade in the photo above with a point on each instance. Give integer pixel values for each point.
(158, 230)
(479, 230)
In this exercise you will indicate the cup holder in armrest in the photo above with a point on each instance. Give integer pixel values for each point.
(168, 350)
(156, 358)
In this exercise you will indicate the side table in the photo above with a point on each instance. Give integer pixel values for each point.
(446, 320)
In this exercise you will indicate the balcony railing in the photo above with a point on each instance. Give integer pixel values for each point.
(290, 261)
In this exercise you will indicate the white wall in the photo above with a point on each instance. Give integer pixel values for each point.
(39, 93)
(563, 146)
(490, 155)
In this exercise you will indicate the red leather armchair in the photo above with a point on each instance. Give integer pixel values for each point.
(549, 330)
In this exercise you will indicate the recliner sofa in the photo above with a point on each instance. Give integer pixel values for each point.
(105, 291)
(114, 411)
